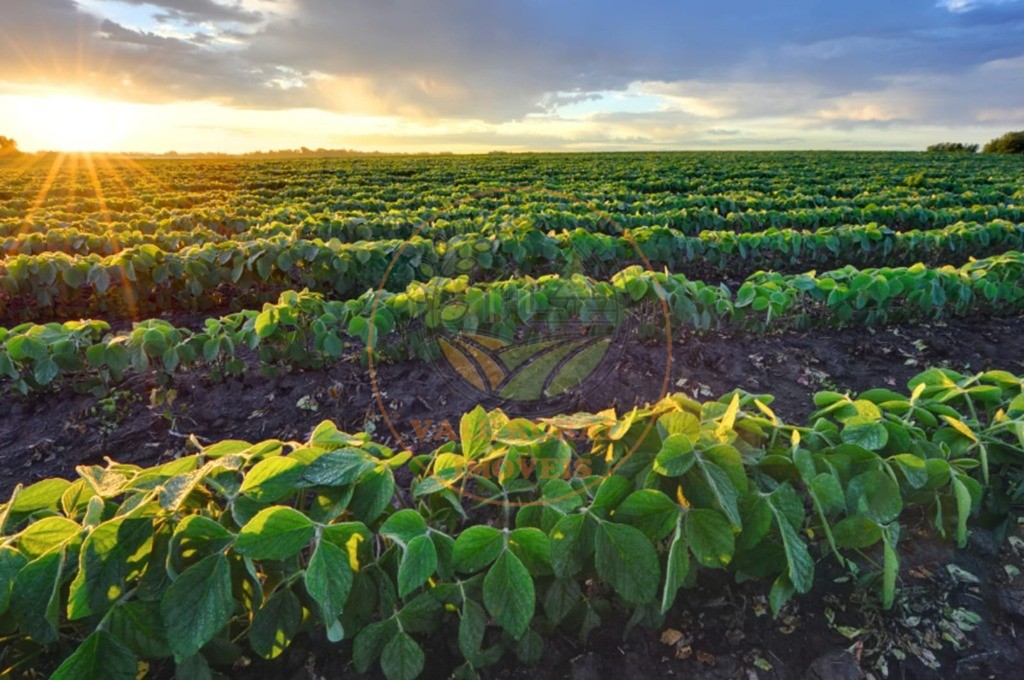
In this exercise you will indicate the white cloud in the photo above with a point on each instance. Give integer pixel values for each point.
(961, 6)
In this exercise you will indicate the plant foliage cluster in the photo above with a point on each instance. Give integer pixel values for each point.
(522, 528)
(110, 238)
(145, 279)
(303, 330)
(499, 539)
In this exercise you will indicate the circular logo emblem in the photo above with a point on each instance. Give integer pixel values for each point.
(518, 319)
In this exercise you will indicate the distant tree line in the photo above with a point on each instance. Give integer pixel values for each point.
(301, 152)
(8, 146)
(953, 147)
(1011, 142)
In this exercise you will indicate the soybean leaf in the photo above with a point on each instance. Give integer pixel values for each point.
(445, 547)
(533, 547)
(328, 580)
(101, 657)
(421, 614)
(890, 569)
(139, 626)
(728, 458)
(44, 495)
(828, 492)
(275, 534)
(710, 537)
(475, 433)
(865, 431)
(476, 547)
(561, 597)
(272, 479)
(626, 560)
(675, 457)
(11, 562)
(856, 532)
(509, 594)
(402, 658)
(724, 490)
(799, 563)
(197, 605)
(914, 469)
(530, 648)
(418, 563)
(275, 624)
(472, 626)
(111, 556)
(46, 534)
(374, 491)
(650, 511)
(677, 569)
(404, 526)
(337, 468)
(572, 542)
(963, 510)
(874, 495)
(612, 491)
(36, 595)
(782, 590)
(370, 642)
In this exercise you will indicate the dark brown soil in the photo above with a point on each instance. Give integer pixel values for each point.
(722, 633)
(48, 435)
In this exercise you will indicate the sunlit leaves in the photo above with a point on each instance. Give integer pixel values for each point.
(275, 534)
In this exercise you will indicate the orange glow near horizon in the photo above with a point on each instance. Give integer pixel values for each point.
(71, 123)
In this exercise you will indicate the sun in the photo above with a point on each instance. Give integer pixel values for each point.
(72, 123)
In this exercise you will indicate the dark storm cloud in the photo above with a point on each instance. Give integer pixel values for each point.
(503, 60)
(498, 60)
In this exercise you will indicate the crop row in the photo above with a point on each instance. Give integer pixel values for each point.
(305, 330)
(728, 182)
(146, 279)
(344, 193)
(479, 215)
(687, 221)
(89, 241)
(721, 248)
(501, 541)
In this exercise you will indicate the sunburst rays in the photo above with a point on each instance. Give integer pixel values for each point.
(126, 289)
(41, 195)
(71, 171)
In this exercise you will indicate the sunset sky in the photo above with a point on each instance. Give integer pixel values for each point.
(477, 75)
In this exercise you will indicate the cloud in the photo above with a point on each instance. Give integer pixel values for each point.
(502, 61)
(961, 6)
(580, 67)
(199, 11)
